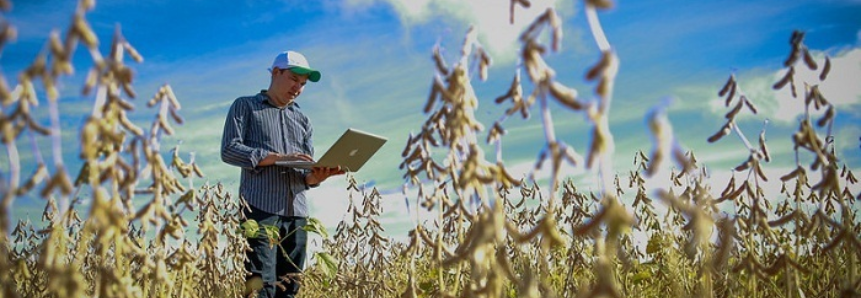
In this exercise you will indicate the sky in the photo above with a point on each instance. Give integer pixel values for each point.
(375, 60)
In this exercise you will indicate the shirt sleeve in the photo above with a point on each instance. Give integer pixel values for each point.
(233, 148)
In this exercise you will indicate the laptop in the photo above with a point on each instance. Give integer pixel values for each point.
(351, 151)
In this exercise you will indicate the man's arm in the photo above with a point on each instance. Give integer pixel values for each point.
(319, 174)
(233, 149)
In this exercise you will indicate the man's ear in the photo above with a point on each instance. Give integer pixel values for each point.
(275, 71)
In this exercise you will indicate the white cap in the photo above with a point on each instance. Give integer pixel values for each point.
(296, 63)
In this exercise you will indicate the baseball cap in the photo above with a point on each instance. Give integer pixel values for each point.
(296, 63)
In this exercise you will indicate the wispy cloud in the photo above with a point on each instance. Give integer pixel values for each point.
(848, 143)
(841, 88)
(700, 104)
(858, 36)
(490, 18)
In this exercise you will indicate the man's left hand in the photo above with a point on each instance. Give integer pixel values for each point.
(320, 174)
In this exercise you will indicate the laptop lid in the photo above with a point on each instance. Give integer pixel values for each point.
(351, 151)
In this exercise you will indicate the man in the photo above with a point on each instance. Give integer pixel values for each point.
(260, 130)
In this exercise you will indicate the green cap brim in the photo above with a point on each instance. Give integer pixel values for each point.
(313, 75)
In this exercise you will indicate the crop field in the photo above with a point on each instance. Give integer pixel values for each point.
(493, 235)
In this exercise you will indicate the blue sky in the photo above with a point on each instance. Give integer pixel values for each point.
(375, 60)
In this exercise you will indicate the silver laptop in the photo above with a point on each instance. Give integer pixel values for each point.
(350, 152)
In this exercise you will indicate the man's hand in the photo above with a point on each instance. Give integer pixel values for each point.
(273, 157)
(293, 157)
(320, 174)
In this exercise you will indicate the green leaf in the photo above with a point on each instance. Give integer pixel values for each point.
(250, 228)
(426, 286)
(272, 234)
(654, 244)
(641, 276)
(328, 264)
(253, 285)
(315, 226)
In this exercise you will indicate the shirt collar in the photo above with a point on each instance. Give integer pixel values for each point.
(263, 97)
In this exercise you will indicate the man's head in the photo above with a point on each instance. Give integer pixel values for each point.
(290, 71)
(296, 63)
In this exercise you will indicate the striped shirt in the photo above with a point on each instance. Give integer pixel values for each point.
(255, 127)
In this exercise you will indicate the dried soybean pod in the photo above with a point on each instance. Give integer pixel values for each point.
(599, 67)
(431, 99)
(162, 122)
(792, 174)
(829, 115)
(38, 176)
(483, 65)
(601, 3)
(176, 117)
(171, 97)
(757, 168)
(792, 88)
(729, 83)
(730, 186)
(161, 92)
(745, 165)
(38, 128)
(119, 102)
(439, 61)
(793, 57)
(603, 87)
(737, 192)
(763, 147)
(786, 78)
(524, 3)
(85, 32)
(731, 94)
(834, 242)
(825, 69)
(565, 95)
(750, 105)
(133, 52)
(731, 114)
(5, 94)
(56, 46)
(511, 90)
(720, 134)
(811, 95)
(808, 60)
(409, 145)
(90, 82)
(783, 220)
(795, 40)
(127, 87)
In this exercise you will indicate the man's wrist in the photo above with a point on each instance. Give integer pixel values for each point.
(311, 180)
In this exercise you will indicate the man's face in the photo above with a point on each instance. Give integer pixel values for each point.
(291, 83)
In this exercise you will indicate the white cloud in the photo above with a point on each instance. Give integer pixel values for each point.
(841, 88)
(490, 17)
(859, 37)
(847, 140)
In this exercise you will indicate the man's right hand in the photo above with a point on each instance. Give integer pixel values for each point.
(293, 157)
(273, 157)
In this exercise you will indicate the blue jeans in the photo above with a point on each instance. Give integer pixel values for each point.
(272, 262)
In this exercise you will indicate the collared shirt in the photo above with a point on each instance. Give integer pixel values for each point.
(255, 127)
